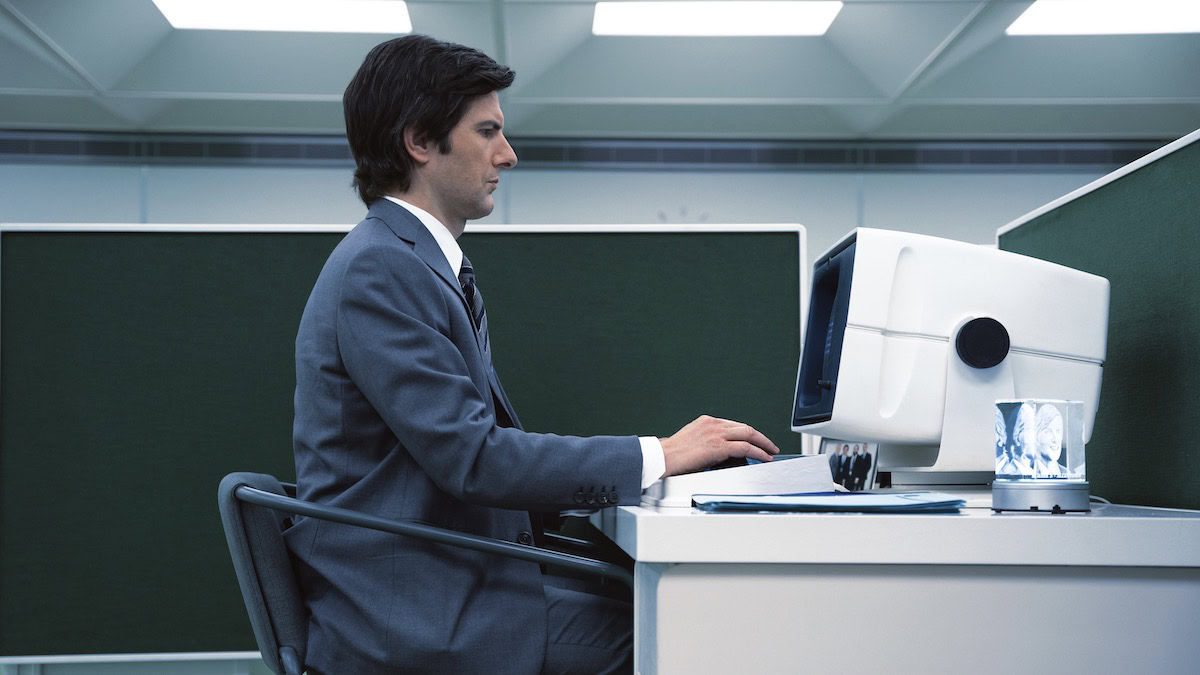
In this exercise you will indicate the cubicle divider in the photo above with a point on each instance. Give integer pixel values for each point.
(1140, 228)
(139, 364)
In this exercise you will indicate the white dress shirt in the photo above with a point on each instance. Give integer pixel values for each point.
(654, 464)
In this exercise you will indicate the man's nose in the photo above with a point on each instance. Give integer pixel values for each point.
(507, 158)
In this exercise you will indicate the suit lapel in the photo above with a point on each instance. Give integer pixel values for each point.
(406, 226)
(409, 228)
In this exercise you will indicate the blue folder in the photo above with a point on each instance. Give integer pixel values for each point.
(833, 502)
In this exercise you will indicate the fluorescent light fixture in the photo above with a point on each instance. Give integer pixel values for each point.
(301, 16)
(751, 18)
(1108, 17)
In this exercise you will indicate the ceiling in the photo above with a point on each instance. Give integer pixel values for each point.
(887, 69)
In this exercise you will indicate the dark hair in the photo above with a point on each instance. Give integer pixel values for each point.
(412, 82)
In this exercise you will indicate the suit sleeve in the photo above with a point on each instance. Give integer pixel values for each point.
(393, 334)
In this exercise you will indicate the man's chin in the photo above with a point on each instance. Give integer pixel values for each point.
(485, 209)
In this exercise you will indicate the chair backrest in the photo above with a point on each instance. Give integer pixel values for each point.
(264, 572)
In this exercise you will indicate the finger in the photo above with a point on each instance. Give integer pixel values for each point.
(748, 450)
(724, 423)
(745, 432)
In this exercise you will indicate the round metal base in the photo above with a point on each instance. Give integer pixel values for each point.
(1042, 496)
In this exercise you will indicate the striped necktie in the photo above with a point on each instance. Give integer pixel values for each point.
(466, 277)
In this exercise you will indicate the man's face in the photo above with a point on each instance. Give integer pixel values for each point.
(463, 179)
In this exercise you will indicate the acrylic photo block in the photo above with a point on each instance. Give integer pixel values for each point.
(1039, 439)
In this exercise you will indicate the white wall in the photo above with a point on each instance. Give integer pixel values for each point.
(969, 207)
(249, 195)
(965, 206)
(39, 193)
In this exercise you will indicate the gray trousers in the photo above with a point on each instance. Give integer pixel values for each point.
(587, 633)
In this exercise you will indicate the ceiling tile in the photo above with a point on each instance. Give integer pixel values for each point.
(468, 23)
(23, 70)
(28, 62)
(103, 39)
(250, 117)
(887, 69)
(1042, 121)
(889, 42)
(138, 111)
(250, 63)
(984, 29)
(58, 112)
(703, 68)
(863, 119)
(1066, 67)
(540, 36)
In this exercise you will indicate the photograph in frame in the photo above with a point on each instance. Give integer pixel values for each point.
(853, 464)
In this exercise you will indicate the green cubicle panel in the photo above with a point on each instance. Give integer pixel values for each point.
(138, 368)
(1142, 232)
(638, 334)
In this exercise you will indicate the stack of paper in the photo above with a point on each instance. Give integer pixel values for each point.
(807, 473)
(854, 502)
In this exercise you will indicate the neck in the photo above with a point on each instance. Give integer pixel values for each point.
(423, 199)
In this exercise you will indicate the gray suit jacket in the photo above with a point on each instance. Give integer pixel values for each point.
(396, 416)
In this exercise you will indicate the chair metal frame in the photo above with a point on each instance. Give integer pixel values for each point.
(292, 663)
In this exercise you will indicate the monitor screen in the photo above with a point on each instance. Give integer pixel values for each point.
(816, 383)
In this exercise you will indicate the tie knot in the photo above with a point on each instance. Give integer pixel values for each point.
(466, 275)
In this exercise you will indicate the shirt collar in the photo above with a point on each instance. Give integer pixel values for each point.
(441, 235)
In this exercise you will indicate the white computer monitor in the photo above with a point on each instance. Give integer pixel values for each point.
(911, 339)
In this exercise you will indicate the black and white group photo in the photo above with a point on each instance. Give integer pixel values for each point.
(852, 464)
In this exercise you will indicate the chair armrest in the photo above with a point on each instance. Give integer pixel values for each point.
(430, 533)
(559, 539)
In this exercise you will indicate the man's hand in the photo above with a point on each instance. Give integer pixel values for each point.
(708, 440)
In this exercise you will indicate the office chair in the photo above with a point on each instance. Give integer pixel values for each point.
(252, 513)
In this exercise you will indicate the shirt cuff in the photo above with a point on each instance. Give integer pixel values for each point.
(654, 464)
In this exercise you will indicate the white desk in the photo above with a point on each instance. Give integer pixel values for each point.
(1116, 590)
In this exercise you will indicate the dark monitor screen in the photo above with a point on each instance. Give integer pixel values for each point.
(816, 382)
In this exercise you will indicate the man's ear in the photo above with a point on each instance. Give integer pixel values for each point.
(418, 146)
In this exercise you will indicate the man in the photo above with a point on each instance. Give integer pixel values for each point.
(852, 469)
(400, 413)
(862, 469)
(843, 469)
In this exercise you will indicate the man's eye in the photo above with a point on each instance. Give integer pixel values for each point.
(487, 133)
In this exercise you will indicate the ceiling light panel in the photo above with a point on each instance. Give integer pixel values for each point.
(301, 16)
(1108, 17)
(809, 17)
